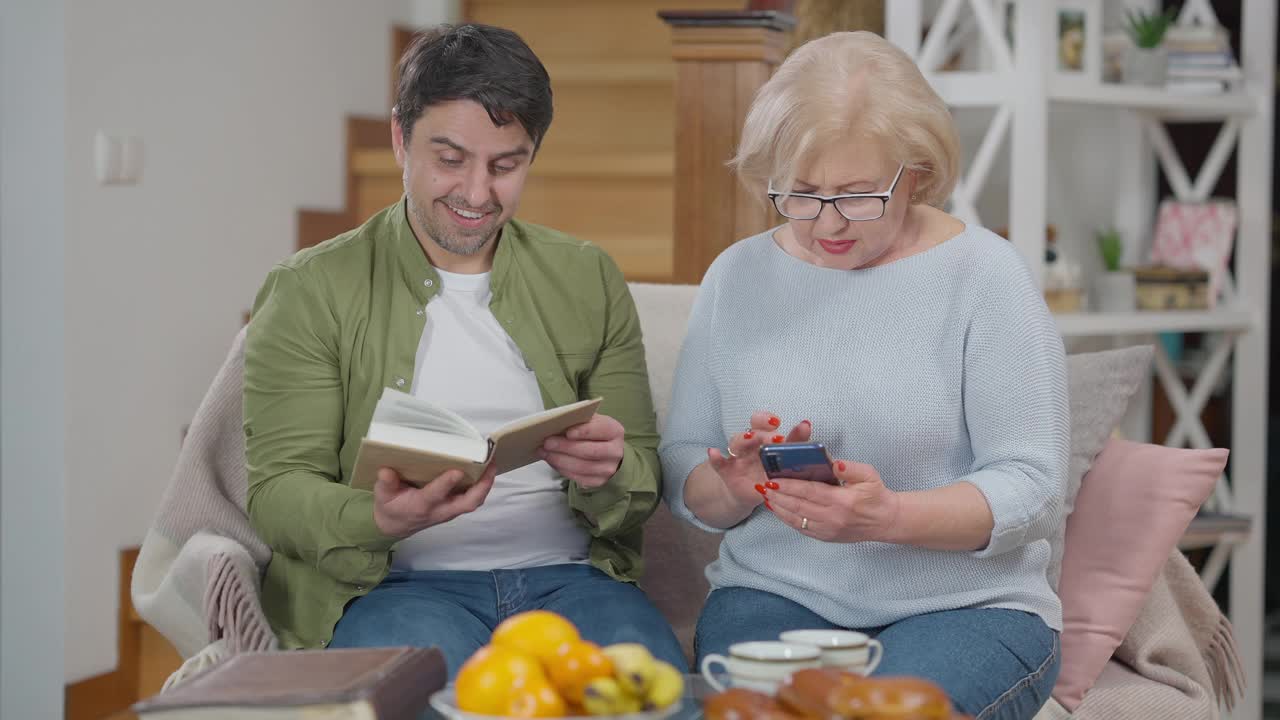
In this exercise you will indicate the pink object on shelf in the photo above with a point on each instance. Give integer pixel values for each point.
(1193, 235)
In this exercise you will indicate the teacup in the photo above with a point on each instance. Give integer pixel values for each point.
(763, 665)
(843, 649)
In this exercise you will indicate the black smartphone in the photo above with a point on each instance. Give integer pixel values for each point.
(804, 461)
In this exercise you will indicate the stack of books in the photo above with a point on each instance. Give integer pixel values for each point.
(1201, 61)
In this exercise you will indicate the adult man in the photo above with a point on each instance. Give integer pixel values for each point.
(446, 296)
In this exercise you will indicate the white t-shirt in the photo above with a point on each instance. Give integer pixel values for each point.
(467, 363)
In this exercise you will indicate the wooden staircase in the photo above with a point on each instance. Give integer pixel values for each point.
(605, 172)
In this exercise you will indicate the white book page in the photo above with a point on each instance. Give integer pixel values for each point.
(395, 407)
(534, 419)
(466, 448)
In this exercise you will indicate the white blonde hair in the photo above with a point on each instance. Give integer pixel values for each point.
(842, 86)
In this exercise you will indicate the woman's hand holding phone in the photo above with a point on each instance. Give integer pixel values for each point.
(861, 509)
(740, 470)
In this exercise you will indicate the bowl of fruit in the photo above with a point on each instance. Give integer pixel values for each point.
(537, 665)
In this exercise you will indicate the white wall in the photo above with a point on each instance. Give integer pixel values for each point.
(240, 105)
(1083, 180)
(1085, 186)
(422, 13)
(32, 374)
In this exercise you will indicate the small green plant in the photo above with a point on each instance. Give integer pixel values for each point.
(1111, 247)
(1147, 29)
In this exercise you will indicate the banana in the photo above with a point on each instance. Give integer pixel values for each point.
(603, 696)
(666, 688)
(633, 666)
(630, 704)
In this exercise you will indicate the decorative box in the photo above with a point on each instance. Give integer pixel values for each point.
(1197, 236)
(1064, 300)
(1166, 288)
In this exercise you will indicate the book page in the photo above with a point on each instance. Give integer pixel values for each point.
(541, 417)
(397, 408)
(474, 449)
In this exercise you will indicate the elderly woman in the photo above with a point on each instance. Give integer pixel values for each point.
(919, 351)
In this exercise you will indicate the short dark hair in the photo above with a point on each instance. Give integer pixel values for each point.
(487, 64)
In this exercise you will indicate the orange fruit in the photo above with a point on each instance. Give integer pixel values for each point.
(487, 680)
(539, 633)
(535, 700)
(576, 665)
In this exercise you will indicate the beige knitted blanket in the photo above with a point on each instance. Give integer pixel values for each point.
(199, 569)
(1179, 659)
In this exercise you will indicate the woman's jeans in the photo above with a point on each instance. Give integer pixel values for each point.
(993, 663)
(457, 611)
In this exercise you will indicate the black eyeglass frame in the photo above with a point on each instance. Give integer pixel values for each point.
(823, 200)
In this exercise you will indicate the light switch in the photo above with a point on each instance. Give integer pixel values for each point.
(131, 160)
(106, 158)
(117, 160)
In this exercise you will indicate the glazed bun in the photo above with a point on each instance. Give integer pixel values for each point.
(810, 693)
(740, 704)
(891, 698)
(827, 694)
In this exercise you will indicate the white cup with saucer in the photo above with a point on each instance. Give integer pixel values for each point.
(761, 665)
(841, 649)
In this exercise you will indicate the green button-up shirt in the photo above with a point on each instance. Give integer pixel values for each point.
(337, 323)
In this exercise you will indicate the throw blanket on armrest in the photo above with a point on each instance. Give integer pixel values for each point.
(199, 569)
(1179, 659)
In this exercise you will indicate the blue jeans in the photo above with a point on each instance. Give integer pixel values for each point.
(457, 611)
(993, 663)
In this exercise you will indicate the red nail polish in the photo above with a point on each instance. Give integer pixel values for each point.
(772, 485)
(840, 465)
(766, 504)
(748, 435)
(778, 438)
(774, 422)
(760, 489)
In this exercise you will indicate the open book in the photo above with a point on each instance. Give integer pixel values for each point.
(420, 440)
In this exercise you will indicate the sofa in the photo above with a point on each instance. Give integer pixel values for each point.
(199, 567)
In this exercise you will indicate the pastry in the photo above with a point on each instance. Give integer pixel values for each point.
(740, 704)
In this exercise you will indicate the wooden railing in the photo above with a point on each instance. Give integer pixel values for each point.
(722, 59)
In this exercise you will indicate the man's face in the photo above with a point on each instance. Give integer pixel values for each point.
(463, 175)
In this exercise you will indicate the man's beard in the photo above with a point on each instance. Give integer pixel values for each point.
(448, 236)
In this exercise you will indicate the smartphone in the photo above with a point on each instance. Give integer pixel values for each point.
(805, 461)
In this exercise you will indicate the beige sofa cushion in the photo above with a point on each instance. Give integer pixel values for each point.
(675, 553)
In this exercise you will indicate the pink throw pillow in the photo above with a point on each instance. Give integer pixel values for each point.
(1134, 504)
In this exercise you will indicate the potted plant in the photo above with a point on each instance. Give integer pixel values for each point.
(1147, 62)
(1114, 290)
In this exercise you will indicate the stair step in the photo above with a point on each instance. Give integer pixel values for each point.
(556, 163)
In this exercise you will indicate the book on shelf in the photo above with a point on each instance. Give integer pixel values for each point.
(1200, 61)
(1230, 73)
(1217, 523)
(1191, 86)
(1196, 39)
(420, 440)
(346, 684)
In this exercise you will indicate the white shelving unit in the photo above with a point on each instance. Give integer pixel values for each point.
(1018, 85)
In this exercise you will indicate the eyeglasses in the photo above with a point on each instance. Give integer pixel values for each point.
(855, 207)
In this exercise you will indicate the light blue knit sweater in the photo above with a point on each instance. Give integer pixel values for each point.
(940, 367)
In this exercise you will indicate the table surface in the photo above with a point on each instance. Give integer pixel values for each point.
(696, 690)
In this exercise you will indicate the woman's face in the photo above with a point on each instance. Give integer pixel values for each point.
(832, 240)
